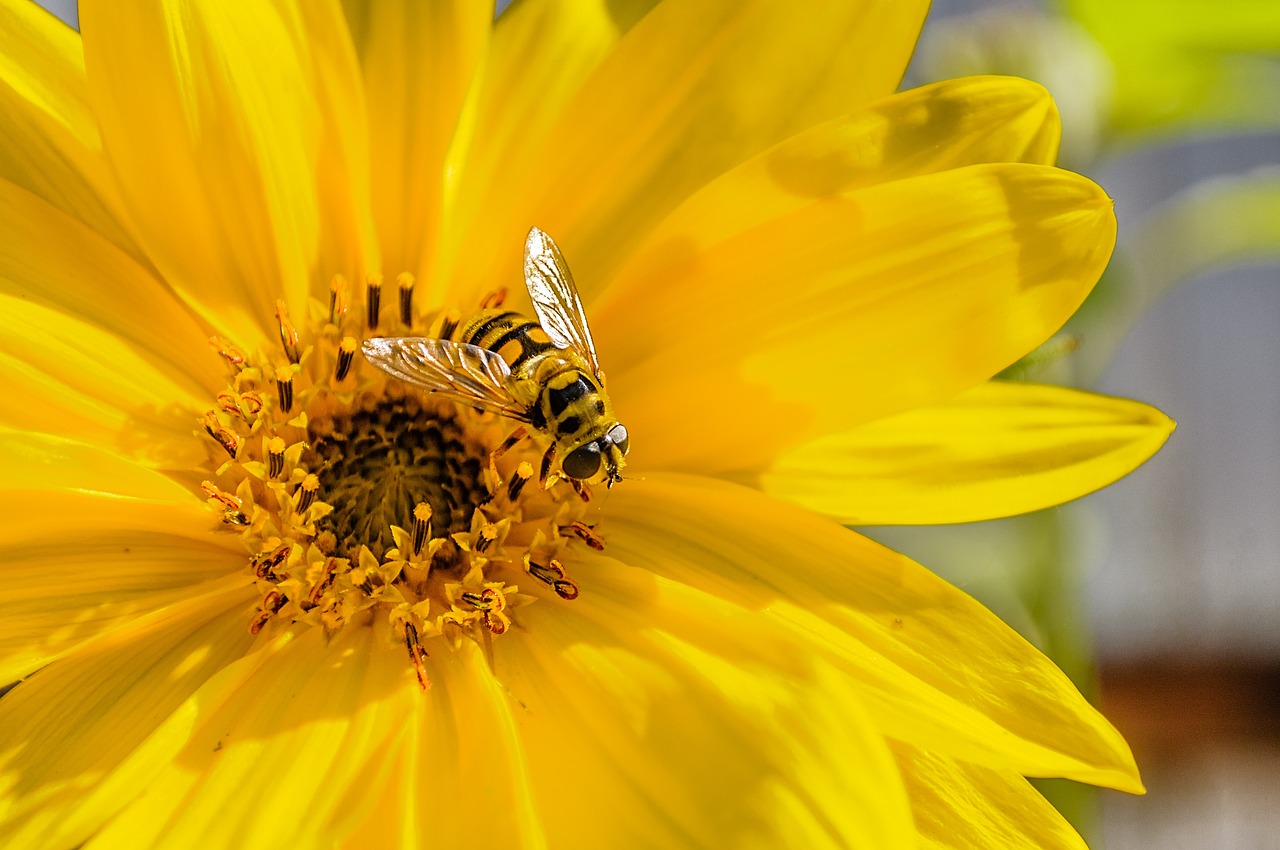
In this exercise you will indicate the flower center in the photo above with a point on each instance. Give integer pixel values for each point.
(357, 496)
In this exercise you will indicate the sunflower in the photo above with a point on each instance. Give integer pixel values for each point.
(258, 593)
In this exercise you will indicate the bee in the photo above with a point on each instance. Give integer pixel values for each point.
(542, 374)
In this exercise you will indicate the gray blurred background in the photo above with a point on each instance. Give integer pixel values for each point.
(1160, 594)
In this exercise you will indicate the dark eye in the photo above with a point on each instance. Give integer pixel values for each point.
(583, 462)
(618, 436)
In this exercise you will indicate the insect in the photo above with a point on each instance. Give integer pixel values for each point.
(543, 374)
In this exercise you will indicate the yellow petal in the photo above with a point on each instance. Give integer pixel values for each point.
(851, 308)
(50, 145)
(48, 258)
(74, 379)
(997, 450)
(459, 734)
(690, 91)
(91, 542)
(656, 715)
(935, 668)
(70, 725)
(226, 126)
(418, 62)
(286, 748)
(962, 806)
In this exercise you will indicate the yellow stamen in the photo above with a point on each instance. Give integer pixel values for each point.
(288, 333)
(338, 289)
(523, 473)
(405, 282)
(373, 285)
(284, 388)
(346, 356)
(225, 437)
(421, 526)
(275, 457)
(308, 489)
(229, 352)
(553, 574)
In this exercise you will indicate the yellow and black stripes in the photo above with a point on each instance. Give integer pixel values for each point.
(512, 337)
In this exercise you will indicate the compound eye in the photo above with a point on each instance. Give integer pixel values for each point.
(583, 462)
(618, 436)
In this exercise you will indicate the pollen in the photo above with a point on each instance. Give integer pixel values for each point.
(360, 500)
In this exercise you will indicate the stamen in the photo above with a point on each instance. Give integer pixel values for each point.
(346, 356)
(416, 654)
(284, 388)
(230, 405)
(421, 526)
(275, 457)
(288, 333)
(448, 324)
(225, 437)
(229, 352)
(494, 299)
(553, 574)
(252, 402)
(308, 489)
(486, 537)
(373, 284)
(490, 602)
(326, 581)
(338, 289)
(264, 565)
(231, 505)
(271, 605)
(521, 477)
(586, 534)
(405, 280)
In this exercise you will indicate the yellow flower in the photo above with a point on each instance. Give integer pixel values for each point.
(254, 596)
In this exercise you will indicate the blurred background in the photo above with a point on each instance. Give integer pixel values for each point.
(1160, 595)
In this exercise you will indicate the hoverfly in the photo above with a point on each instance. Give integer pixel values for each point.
(542, 374)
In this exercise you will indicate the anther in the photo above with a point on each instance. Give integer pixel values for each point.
(271, 605)
(252, 402)
(421, 526)
(231, 505)
(288, 333)
(346, 356)
(307, 491)
(553, 574)
(284, 388)
(229, 352)
(275, 457)
(224, 436)
(337, 300)
(448, 324)
(330, 572)
(586, 534)
(264, 565)
(416, 654)
(230, 405)
(373, 285)
(522, 475)
(486, 537)
(494, 299)
(490, 602)
(405, 282)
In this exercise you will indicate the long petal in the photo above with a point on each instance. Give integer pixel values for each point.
(238, 145)
(691, 90)
(960, 806)
(74, 379)
(73, 723)
(50, 259)
(656, 715)
(935, 668)
(91, 542)
(49, 144)
(419, 61)
(851, 308)
(997, 450)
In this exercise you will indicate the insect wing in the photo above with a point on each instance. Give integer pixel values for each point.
(459, 372)
(555, 298)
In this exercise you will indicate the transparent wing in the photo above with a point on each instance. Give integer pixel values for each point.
(555, 298)
(453, 370)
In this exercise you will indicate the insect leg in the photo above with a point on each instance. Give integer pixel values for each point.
(545, 469)
(507, 445)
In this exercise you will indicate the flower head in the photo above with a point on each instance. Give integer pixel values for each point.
(261, 591)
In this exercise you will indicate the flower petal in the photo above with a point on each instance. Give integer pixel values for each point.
(91, 542)
(691, 90)
(225, 125)
(936, 669)
(418, 61)
(50, 145)
(70, 725)
(962, 806)
(655, 715)
(997, 450)
(48, 258)
(851, 308)
(74, 379)
(459, 734)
